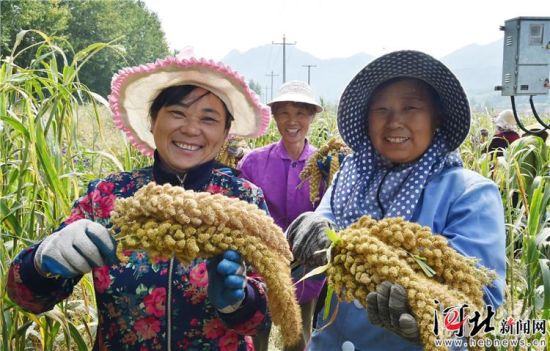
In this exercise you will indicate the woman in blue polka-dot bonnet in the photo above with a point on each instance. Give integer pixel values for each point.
(404, 116)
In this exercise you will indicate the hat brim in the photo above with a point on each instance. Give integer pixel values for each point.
(134, 89)
(290, 97)
(353, 107)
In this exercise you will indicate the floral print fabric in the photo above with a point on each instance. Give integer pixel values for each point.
(145, 305)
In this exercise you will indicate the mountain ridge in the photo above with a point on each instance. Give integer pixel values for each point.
(478, 67)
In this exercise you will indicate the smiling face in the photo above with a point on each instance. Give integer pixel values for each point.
(402, 118)
(293, 120)
(191, 131)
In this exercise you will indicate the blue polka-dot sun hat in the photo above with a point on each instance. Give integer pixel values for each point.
(352, 110)
(367, 184)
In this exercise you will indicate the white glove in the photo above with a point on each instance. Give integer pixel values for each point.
(75, 250)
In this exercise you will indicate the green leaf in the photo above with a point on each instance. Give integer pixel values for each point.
(421, 261)
(328, 299)
(19, 38)
(8, 218)
(313, 272)
(545, 272)
(17, 125)
(77, 337)
(333, 236)
(110, 157)
(100, 99)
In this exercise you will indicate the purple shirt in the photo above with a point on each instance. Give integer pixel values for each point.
(271, 168)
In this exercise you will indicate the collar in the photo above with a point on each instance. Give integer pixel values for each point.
(195, 178)
(281, 151)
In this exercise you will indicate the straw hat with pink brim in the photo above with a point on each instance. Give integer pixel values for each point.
(134, 89)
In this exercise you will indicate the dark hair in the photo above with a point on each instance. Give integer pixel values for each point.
(311, 109)
(436, 99)
(173, 95)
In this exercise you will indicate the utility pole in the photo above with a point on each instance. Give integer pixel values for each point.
(271, 75)
(308, 71)
(284, 44)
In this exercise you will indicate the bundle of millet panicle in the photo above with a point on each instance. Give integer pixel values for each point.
(169, 221)
(369, 252)
(336, 149)
(225, 157)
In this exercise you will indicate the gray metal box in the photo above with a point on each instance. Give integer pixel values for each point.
(526, 56)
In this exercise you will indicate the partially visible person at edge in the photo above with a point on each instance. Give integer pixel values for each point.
(178, 110)
(275, 168)
(537, 131)
(505, 133)
(404, 116)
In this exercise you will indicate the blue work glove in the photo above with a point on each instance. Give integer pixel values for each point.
(75, 250)
(388, 307)
(341, 157)
(324, 166)
(226, 281)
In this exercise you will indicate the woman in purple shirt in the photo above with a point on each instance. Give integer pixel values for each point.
(276, 168)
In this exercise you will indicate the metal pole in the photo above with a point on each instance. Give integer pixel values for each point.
(284, 44)
(272, 75)
(308, 71)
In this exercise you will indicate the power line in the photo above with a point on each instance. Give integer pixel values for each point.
(271, 75)
(284, 44)
(308, 71)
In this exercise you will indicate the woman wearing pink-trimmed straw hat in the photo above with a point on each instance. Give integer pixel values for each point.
(179, 111)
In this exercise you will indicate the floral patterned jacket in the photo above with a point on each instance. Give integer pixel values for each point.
(151, 306)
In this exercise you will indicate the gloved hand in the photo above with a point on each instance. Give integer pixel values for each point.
(388, 307)
(226, 281)
(324, 166)
(75, 250)
(306, 235)
(341, 157)
(235, 151)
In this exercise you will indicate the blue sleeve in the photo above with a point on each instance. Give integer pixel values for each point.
(475, 228)
(28, 288)
(32, 291)
(324, 208)
(253, 315)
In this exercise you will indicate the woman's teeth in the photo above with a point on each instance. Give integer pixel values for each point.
(397, 140)
(187, 147)
(293, 131)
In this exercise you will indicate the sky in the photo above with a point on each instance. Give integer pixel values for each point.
(338, 28)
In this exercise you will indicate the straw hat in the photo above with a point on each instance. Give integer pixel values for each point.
(296, 91)
(134, 89)
(352, 110)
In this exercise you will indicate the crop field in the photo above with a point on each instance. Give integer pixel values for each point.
(56, 136)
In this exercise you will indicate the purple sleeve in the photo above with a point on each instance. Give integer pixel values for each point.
(244, 168)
